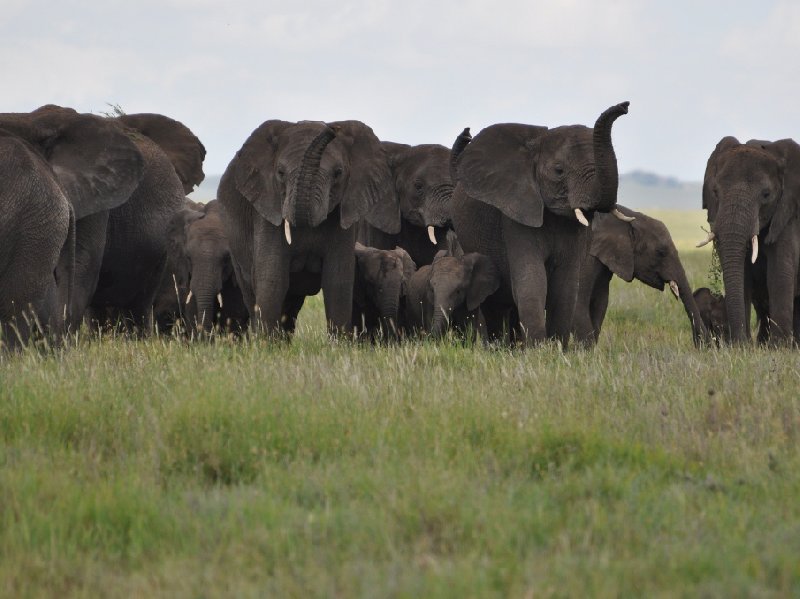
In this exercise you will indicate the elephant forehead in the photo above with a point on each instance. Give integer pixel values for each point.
(748, 163)
(294, 141)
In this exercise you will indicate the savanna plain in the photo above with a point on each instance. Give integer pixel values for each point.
(644, 467)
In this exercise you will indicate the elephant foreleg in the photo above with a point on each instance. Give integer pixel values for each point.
(338, 272)
(781, 280)
(270, 277)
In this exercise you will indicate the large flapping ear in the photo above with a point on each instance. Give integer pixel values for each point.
(254, 170)
(497, 168)
(788, 154)
(709, 199)
(370, 190)
(484, 279)
(409, 267)
(94, 160)
(612, 244)
(183, 148)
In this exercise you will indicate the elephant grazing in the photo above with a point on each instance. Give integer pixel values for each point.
(713, 312)
(522, 198)
(291, 196)
(423, 189)
(638, 247)
(752, 196)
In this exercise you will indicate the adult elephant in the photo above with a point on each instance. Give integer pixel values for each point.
(639, 247)
(522, 198)
(124, 177)
(752, 194)
(37, 229)
(292, 196)
(423, 189)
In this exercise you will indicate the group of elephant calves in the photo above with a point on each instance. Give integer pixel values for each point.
(493, 235)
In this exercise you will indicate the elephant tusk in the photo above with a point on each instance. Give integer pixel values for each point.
(287, 231)
(675, 289)
(754, 257)
(219, 299)
(432, 234)
(707, 240)
(189, 297)
(622, 217)
(581, 218)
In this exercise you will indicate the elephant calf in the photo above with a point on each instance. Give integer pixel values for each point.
(714, 313)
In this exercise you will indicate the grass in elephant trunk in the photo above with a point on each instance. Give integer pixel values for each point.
(430, 469)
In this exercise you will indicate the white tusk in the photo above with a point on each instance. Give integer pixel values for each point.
(432, 234)
(755, 249)
(219, 298)
(287, 231)
(581, 218)
(707, 240)
(675, 289)
(189, 297)
(622, 217)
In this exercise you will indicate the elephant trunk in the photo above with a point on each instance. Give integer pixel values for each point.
(605, 158)
(389, 308)
(699, 332)
(206, 286)
(732, 258)
(310, 183)
(439, 322)
(437, 206)
(462, 141)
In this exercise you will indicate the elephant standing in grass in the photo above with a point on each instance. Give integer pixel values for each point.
(713, 312)
(292, 196)
(423, 189)
(638, 247)
(380, 291)
(752, 194)
(523, 198)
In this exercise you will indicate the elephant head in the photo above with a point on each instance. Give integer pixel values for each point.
(751, 191)
(423, 184)
(523, 169)
(713, 312)
(641, 247)
(381, 281)
(296, 174)
(454, 287)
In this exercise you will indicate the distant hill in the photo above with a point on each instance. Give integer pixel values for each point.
(638, 190)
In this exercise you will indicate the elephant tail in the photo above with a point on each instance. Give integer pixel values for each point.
(65, 270)
(462, 141)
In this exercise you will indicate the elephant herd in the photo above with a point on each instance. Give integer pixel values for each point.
(512, 236)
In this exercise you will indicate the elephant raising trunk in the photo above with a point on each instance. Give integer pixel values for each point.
(312, 185)
(605, 158)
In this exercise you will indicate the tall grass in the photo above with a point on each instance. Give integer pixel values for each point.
(322, 468)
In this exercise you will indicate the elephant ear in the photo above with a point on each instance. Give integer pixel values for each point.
(612, 244)
(97, 164)
(370, 189)
(409, 267)
(788, 154)
(183, 148)
(254, 171)
(484, 279)
(497, 168)
(709, 200)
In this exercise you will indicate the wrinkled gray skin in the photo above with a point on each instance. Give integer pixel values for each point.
(124, 177)
(754, 189)
(423, 189)
(518, 187)
(37, 229)
(199, 263)
(379, 291)
(449, 292)
(642, 249)
(320, 179)
(714, 314)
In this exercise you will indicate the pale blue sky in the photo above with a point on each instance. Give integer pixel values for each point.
(419, 71)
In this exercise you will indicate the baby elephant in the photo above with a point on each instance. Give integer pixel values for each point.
(713, 312)
(199, 283)
(379, 292)
(449, 293)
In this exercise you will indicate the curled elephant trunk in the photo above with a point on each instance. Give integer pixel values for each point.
(605, 158)
(462, 141)
(310, 183)
(684, 293)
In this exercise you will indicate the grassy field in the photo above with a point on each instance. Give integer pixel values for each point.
(318, 469)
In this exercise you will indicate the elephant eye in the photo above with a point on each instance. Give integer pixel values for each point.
(281, 172)
(418, 185)
(559, 169)
(765, 193)
(337, 172)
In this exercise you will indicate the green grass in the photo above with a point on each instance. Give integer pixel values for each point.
(642, 468)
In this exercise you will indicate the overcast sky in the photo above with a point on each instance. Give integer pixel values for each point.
(418, 71)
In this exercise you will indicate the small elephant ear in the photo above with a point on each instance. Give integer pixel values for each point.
(484, 279)
(183, 148)
(409, 267)
(787, 151)
(254, 170)
(709, 200)
(612, 244)
(370, 189)
(96, 162)
(497, 168)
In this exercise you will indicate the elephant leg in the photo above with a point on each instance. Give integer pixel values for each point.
(781, 280)
(291, 308)
(561, 298)
(530, 286)
(90, 243)
(338, 274)
(599, 305)
(270, 276)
